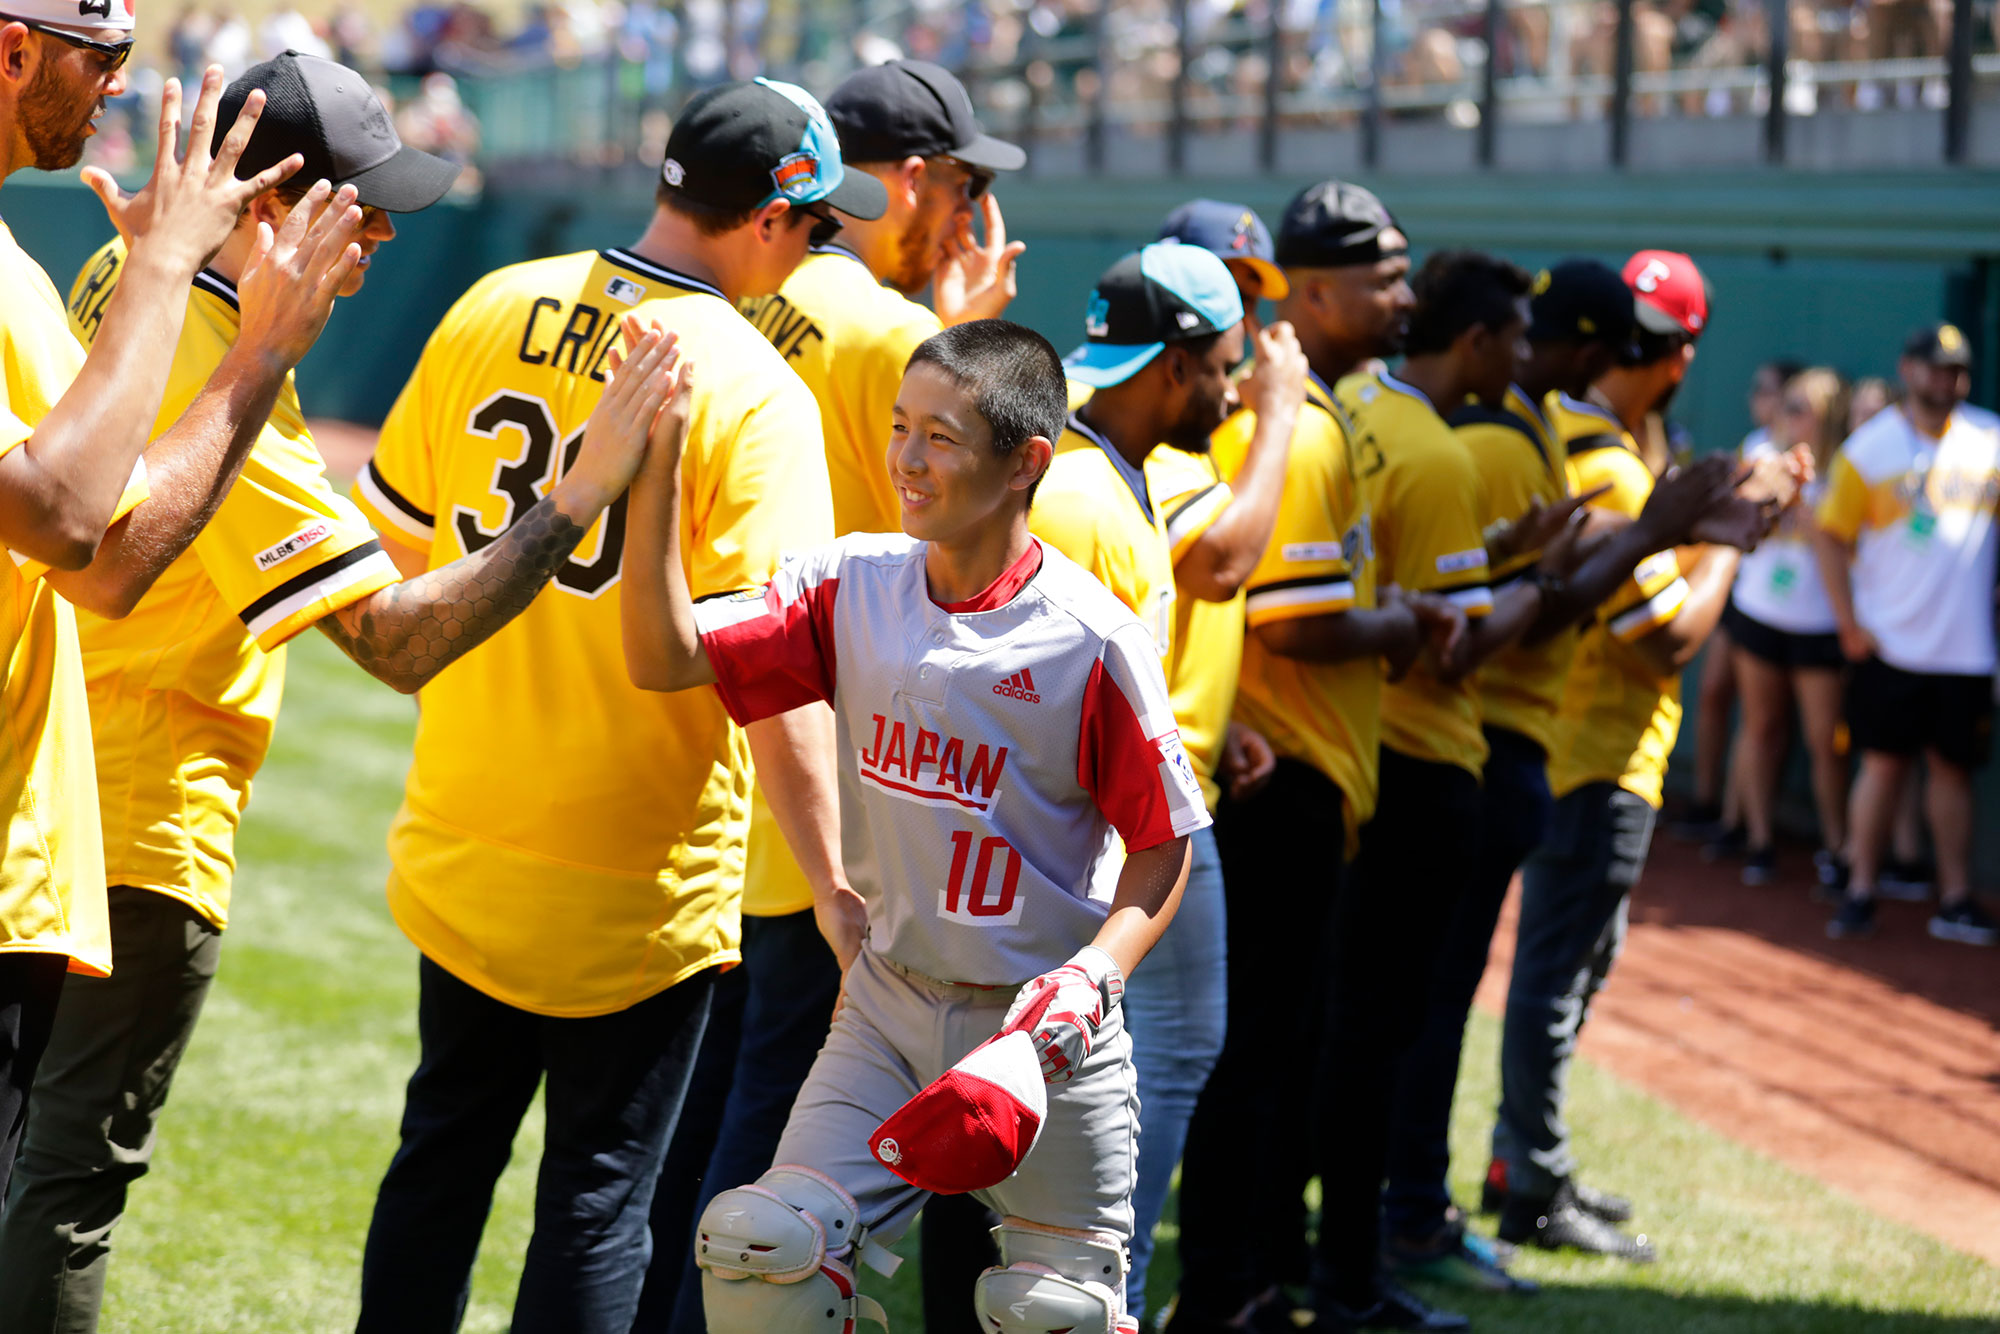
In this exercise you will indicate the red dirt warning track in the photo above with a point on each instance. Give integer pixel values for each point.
(1872, 1065)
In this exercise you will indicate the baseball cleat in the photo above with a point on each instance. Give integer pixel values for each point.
(1562, 1223)
(1394, 1307)
(1459, 1258)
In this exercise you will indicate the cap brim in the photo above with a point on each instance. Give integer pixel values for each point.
(993, 154)
(1101, 365)
(859, 195)
(1272, 285)
(1654, 320)
(410, 181)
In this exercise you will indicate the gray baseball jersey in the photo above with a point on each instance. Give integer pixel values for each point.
(992, 752)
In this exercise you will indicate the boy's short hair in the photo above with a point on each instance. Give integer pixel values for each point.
(1013, 374)
(1458, 290)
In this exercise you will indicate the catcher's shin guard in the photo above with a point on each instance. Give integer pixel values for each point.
(1054, 1279)
(774, 1257)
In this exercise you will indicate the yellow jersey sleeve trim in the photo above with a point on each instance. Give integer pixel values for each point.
(393, 514)
(1473, 602)
(137, 489)
(1845, 506)
(1294, 599)
(320, 591)
(1194, 515)
(1651, 614)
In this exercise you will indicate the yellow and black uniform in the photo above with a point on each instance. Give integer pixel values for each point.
(1097, 509)
(184, 691)
(52, 877)
(1207, 655)
(1521, 461)
(1619, 716)
(849, 338)
(569, 844)
(1321, 560)
(1421, 488)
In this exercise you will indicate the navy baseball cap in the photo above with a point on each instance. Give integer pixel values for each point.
(1233, 233)
(742, 145)
(1940, 345)
(907, 108)
(1163, 293)
(1584, 300)
(328, 114)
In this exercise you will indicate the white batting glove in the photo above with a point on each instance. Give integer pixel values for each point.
(1063, 1009)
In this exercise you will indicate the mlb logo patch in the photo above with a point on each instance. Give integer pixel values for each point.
(796, 175)
(625, 290)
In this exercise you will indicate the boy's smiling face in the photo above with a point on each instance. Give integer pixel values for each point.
(949, 479)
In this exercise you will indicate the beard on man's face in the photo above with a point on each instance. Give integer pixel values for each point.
(54, 120)
(1191, 433)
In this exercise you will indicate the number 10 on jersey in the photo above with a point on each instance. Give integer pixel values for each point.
(985, 884)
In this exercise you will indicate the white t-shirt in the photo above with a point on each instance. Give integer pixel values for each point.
(992, 752)
(1920, 513)
(1779, 583)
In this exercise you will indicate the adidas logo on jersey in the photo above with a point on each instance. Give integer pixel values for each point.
(1021, 685)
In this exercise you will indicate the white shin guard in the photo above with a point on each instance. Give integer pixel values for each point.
(774, 1257)
(1054, 1279)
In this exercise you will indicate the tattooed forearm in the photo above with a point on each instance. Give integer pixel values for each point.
(407, 633)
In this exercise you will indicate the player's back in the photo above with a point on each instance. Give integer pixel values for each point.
(538, 763)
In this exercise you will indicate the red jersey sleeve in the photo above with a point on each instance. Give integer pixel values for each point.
(1129, 753)
(772, 648)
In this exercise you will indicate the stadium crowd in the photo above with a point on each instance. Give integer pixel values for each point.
(1254, 667)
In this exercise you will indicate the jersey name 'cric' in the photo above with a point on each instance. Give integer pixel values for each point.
(980, 814)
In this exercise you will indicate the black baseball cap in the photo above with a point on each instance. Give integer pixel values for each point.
(1584, 300)
(912, 108)
(328, 113)
(1333, 224)
(1159, 294)
(742, 145)
(1940, 345)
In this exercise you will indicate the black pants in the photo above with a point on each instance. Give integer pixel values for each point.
(615, 1084)
(1513, 819)
(30, 987)
(1244, 1170)
(1383, 940)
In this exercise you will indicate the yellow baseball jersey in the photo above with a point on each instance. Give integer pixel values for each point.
(1321, 560)
(1207, 655)
(568, 843)
(1520, 461)
(849, 338)
(1096, 509)
(1421, 488)
(52, 869)
(1619, 717)
(184, 691)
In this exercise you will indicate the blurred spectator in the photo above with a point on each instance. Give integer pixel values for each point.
(1871, 394)
(286, 29)
(230, 43)
(436, 121)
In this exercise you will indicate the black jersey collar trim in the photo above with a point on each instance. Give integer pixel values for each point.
(625, 259)
(208, 280)
(1135, 478)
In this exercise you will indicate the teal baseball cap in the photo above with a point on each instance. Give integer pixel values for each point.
(1163, 293)
(742, 145)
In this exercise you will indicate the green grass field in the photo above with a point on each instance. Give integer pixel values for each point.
(285, 1114)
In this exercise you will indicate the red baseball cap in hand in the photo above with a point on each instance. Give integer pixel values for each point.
(1669, 295)
(973, 1126)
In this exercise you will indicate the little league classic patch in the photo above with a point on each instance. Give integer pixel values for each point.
(795, 175)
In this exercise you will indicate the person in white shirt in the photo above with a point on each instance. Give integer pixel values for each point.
(1907, 542)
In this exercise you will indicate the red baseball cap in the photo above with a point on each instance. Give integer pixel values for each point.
(973, 1126)
(1669, 295)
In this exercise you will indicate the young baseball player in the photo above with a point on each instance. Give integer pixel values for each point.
(1003, 723)
(73, 427)
(184, 691)
(568, 858)
(844, 320)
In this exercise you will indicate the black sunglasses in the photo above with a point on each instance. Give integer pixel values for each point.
(117, 52)
(978, 179)
(826, 224)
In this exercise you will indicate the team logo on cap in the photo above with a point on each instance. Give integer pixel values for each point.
(890, 1151)
(1542, 281)
(1241, 240)
(673, 172)
(795, 175)
(1097, 317)
(1949, 339)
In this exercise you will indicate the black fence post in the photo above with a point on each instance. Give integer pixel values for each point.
(1274, 64)
(1621, 88)
(1778, 18)
(1093, 140)
(1177, 131)
(1489, 87)
(1371, 115)
(1958, 104)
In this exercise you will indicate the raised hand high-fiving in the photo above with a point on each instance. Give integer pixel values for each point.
(188, 208)
(288, 285)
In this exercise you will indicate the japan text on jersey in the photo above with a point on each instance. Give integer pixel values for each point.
(993, 753)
